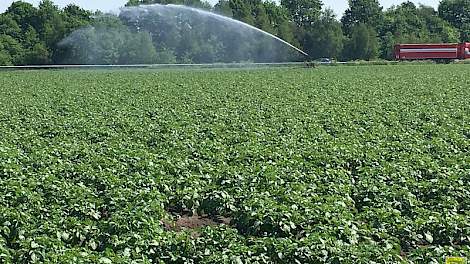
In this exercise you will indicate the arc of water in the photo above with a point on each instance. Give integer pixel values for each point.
(223, 18)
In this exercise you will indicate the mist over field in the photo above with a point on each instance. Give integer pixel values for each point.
(172, 34)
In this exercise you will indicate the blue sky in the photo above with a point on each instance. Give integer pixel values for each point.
(108, 5)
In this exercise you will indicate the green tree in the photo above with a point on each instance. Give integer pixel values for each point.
(325, 37)
(109, 41)
(51, 24)
(99, 43)
(242, 10)
(387, 44)
(37, 55)
(283, 25)
(407, 23)
(223, 7)
(8, 26)
(77, 16)
(74, 18)
(25, 14)
(367, 12)
(166, 56)
(30, 38)
(192, 3)
(285, 30)
(138, 49)
(12, 48)
(5, 58)
(133, 2)
(457, 13)
(363, 43)
(262, 20)
(303, 12)
(39, 30)
(439, 29)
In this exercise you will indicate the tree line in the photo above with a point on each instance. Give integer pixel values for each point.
(48, 34)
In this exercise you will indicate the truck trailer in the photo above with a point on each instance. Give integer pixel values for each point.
(439, 52)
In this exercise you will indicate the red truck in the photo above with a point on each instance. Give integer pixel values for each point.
(444, 52)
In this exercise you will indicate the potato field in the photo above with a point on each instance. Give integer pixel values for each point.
(360, 164)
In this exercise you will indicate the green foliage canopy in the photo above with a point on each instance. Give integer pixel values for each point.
(31, 35)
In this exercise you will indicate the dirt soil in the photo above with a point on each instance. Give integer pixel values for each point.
(196, 222)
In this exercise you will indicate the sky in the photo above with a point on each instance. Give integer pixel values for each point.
(109, 5)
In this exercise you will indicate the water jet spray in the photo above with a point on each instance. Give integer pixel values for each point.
(173, 7)
(173, 34)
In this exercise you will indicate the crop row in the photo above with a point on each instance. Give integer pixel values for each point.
(329, 165)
